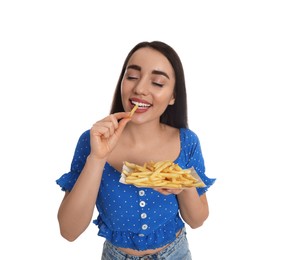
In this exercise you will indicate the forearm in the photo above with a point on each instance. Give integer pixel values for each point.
(193, 208)
(76, 210)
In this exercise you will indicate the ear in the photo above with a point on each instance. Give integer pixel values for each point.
(172, 101)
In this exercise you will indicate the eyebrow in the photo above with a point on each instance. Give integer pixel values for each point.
(157, 72)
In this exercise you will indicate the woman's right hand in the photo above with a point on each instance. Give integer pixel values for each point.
(105, 134)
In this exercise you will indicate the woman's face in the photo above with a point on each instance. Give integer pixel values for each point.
(148, 82)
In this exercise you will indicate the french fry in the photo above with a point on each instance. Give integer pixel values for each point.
(133, 110)
(165, 174)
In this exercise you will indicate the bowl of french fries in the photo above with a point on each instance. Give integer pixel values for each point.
(161, 174)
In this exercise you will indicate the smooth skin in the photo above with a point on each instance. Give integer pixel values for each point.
(149, 81)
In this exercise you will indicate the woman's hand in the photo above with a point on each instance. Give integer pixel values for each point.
(105, 134)
(166, 191)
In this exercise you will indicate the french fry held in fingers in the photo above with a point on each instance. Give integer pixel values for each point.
(164, 174)
(133, 110)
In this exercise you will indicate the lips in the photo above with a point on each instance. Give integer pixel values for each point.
(142, 104)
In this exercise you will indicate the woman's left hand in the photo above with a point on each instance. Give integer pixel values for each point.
(166, 191)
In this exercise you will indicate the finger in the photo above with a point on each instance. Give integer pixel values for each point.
(110, 125)
(121, 115)
(110, 122)
(100, 130)
(162, 191)
(174, 191)
(115, 126)
(114, 118)
(122, 125)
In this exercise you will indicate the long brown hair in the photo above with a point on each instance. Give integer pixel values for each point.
(175, 115)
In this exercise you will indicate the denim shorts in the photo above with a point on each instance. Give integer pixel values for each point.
(177, 250)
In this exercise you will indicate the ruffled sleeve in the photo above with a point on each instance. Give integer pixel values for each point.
(193, 157)
(68, 180)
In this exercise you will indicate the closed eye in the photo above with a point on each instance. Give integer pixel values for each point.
(158, 84)
(132, 77)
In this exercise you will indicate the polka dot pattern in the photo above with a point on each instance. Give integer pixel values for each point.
(138, 218)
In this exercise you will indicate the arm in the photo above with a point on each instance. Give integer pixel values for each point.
(193, 208)
(77, 207)
(193, 203)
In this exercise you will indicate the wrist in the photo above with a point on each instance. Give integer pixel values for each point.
(93, 159)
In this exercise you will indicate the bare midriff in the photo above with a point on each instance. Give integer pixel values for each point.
(130, 251)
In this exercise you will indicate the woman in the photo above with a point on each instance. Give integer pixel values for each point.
(138, 223)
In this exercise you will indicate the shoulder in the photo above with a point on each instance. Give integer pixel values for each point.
(84, 140)
(85, 136)
(187, 135)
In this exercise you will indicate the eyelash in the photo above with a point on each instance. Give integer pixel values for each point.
(154, 83)
(131, 78)
(158, 84)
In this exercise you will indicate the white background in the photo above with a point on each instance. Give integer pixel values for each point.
(59, 64)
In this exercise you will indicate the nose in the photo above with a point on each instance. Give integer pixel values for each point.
(142, 87)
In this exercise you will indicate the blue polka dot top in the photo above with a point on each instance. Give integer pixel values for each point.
(131, 217)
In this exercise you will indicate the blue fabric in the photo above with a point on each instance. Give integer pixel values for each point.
(178, 249)
(131, 217)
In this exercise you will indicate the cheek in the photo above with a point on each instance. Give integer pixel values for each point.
(125, 94)
(123, 89)
(164, 98)
(126, 87)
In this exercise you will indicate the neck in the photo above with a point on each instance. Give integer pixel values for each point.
(143, 134)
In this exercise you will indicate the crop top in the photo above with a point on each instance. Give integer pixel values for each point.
(132, 217)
